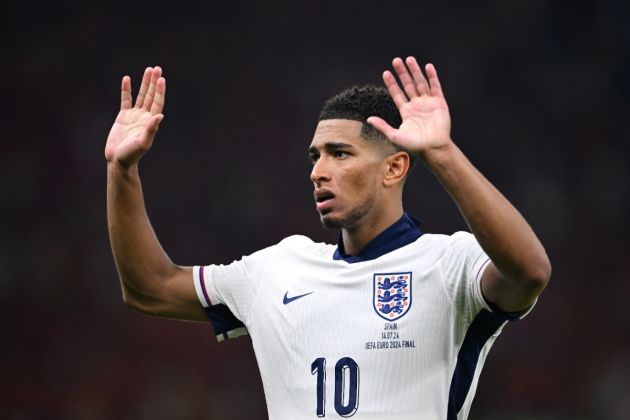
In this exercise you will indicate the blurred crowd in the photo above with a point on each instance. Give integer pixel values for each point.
(539, 95)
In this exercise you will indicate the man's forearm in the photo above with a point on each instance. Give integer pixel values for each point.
(141, 262)
(500, 229)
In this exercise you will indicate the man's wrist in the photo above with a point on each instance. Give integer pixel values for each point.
(117, 168)
(440, 157)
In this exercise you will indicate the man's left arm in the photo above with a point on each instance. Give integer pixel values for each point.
(519, 268)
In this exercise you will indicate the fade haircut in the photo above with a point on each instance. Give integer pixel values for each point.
(360, 102)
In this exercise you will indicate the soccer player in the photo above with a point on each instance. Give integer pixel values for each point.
(390, 323)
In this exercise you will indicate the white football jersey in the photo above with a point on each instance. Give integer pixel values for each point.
(400, 331)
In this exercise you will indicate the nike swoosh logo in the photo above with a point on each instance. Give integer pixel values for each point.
(292, 298)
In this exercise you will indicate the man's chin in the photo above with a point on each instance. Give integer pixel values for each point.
(344, 220)
(330, 222)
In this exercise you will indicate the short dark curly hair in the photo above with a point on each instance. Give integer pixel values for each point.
(357, 103)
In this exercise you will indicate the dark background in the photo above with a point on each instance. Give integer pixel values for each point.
(539, 96)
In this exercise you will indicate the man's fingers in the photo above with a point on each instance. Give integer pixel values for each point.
(144, 86)
(382, 126)
(436, 87)
(125, 93)
(148, 99)
(405, 78)
(418, 77)
(398, 95)
(160, 94)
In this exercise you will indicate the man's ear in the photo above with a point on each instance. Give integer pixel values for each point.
(396, 168)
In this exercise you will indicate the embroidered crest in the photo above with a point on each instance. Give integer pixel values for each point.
(392, 294)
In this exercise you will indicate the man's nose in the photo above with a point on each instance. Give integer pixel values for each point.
(320, 172)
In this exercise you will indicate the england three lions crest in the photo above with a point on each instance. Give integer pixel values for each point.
(392, 294)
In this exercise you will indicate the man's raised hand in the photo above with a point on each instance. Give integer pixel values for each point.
(135, 126)
(426, 123)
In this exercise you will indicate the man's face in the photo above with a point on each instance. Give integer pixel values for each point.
(346, 173)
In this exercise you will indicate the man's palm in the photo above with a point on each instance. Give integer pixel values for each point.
(134, 129)
(426, 123)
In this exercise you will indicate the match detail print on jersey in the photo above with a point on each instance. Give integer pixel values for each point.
(392, 294)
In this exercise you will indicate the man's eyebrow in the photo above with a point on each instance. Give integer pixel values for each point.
(337, 145)
(331, 145)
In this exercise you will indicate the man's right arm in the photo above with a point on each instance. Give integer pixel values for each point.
(150, 281)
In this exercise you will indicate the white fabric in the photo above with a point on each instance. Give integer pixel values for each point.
(338, 319)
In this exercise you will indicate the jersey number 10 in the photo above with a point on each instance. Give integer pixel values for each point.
(346, 375)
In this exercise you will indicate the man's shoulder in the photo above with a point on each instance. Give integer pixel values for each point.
(443, 239)
(291, 248)
(301, 243)
(436, 244)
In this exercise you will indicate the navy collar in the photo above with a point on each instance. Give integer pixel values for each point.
(401, 233)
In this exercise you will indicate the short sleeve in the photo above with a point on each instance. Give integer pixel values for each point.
(227, 292)
(463, 263)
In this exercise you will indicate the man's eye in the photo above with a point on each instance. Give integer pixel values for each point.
(313, 158)
(340, 154)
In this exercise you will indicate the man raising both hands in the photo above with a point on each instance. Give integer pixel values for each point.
(389, 323)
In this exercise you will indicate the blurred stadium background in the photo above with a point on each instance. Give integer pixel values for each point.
(540, 98)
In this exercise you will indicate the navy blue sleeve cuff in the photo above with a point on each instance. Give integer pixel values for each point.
(508, 316)
(224, 322)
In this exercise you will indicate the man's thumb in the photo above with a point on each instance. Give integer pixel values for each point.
(154, 124)
(382, 126)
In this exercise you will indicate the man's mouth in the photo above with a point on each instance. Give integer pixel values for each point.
(323, 199)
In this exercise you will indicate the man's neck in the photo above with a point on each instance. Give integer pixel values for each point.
(356, 238)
